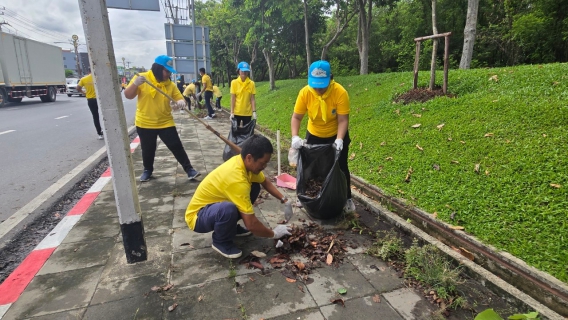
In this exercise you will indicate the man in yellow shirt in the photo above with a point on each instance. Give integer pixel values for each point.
(154, 115)
(88, 83)
(189, 93)
(227, 195)
(207, 93)
(327, 104)
(219, 95)
(243, 103)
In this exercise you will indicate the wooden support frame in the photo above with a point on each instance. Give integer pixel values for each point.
(418, 41)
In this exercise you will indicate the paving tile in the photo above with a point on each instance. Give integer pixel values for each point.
(379, 274)
(327, 280)
(93, 229)
(78, 255)
(271, 295)
(118, 289)
(409, 304)
(66, 315)
(360, 308)
(141, 308)
(209, 300)
(55, 293)
(306, 314)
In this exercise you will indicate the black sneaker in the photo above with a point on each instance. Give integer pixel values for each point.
(145, 175)
(227, 251)
(192, 174)
(242, 231)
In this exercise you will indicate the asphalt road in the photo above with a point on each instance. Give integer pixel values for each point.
(48, 140)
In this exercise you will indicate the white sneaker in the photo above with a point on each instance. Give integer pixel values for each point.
(213, 116)
(100, 137)
(349, 206)
(208, 118)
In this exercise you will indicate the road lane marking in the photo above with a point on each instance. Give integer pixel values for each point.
(61, 117)
(8, 131)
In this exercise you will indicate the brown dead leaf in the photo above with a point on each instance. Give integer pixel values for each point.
(257, 265)
(388, 158)
(419, 148)
(156, 288)
(338, 301)
(494, 78)
(290, 280)
(462, 142)
(486, 172)
(476, 168)
(400, 191)
(454, 162)
(360, 145)
(383, 143)
(457, 227)
(467, 254)
(544, 135)
(200, 298)
(436, 167)
(435, 215)
(417, 115)
(168, 287)
(408, 174)
(440, 126)
(417, 125)
(397, 111)
(377, 298)
(301, 288)
(449, 138)
(555, 185)
(329, 259)
(300, 265)
(352, 156)
(252, 279)
(172, 307)
(489, 134)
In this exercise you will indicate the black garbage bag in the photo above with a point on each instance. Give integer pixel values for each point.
(238, 135)
(320, 162)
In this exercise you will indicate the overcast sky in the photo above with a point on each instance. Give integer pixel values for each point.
(137, 36)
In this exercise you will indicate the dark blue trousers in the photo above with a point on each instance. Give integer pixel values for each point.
(222, 218)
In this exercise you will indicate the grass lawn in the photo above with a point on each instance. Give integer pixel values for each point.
(493, 159)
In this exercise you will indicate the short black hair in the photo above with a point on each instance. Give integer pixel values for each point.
(257, 146)
(157, 71)
(202, 70)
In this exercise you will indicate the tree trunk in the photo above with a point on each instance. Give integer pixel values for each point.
(434, 48)
(342, 19)
(268, 57)
(363, 32)
(469, 33)
(307, 35)
(253, 59)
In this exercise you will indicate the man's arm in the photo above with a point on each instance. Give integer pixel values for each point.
(131, 91)
(253, 102)
(342, 125)
(295, 123)
(233, 101)
(255, 226)
(268, 186)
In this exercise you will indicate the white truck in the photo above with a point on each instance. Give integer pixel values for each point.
(29, 69)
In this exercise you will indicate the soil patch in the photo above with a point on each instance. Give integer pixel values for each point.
(421, 95)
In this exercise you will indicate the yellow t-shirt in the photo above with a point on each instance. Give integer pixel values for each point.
(228, 182)
(206, 82)
(217, 92)
(189, 90)
(337, 103)
(153, 108)
(243, 90)
(88, 83)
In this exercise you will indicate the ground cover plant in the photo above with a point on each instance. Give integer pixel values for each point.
(492, 158)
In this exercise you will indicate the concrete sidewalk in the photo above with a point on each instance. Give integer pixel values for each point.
(87, 276)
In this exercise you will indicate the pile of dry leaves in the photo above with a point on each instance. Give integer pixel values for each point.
(313, 187)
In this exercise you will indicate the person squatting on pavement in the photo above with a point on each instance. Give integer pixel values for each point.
(154, 115)
(327, 105)
(207, 93)
(227, 195)
(88, 83)
(243, 103)
(218, 95)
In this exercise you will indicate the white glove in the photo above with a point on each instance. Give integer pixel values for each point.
(280, 231)
(174, 105)
(297, 142)
(288, 212)
(180, 104)
(139, 80)
(197, 95)
(338, 144)
(232, 116)
(254, 115)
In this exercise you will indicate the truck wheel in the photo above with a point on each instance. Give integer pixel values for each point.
(2, 98)
(69, 95)
(51, 95)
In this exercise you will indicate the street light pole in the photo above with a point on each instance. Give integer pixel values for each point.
(76, 44)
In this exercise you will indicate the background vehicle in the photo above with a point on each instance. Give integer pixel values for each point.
(30, 69)
(71, 87)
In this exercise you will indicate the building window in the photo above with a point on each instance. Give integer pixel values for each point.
(63, 58)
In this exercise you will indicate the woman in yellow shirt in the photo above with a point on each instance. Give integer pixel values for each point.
(243, 103)
(327, 104)
(154, 115)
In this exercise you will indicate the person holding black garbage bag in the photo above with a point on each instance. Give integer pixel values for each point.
(327, 104)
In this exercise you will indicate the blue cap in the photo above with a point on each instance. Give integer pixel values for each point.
(319, 74)
(166, 62)
(243, 66)
(193, 80)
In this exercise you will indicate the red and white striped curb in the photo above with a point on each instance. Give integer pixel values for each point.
(18, 280)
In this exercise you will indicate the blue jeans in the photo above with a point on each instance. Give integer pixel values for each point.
(222, 218)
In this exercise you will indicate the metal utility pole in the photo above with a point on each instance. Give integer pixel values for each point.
(194, 43)
(76, 44)
(94, 14)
